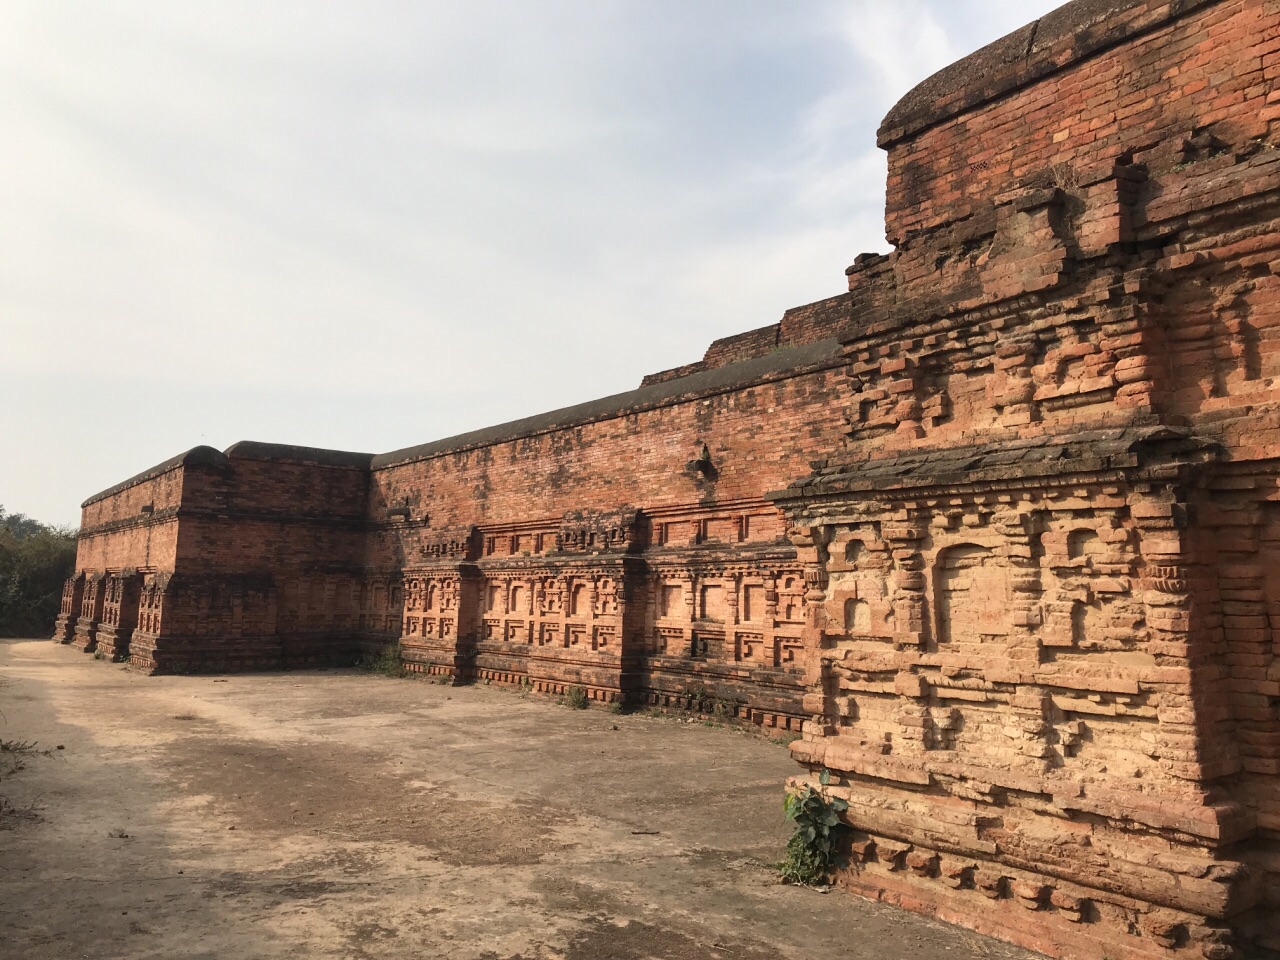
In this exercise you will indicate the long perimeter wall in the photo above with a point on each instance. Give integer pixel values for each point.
(997, 530)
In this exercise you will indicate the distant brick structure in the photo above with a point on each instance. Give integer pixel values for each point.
(1000, 526)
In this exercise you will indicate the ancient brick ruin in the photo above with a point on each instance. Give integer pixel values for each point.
(999, 526)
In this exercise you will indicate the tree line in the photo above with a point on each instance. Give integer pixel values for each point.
(35, 559)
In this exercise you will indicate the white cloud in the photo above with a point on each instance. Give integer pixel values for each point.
(368, 225)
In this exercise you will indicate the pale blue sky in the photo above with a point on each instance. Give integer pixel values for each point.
(369, 225)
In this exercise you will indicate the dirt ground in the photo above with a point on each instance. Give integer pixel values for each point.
(337, 814)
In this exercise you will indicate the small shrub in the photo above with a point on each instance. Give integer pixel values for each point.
(577, 698)
(386, 662)
(811, 851)
(697, 692)
(616, 707)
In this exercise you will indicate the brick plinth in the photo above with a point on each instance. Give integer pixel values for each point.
(1058, 919)
(180, 655)
(112, 643)
(85, 636)
(64, 628)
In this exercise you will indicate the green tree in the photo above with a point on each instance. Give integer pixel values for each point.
(35, 559)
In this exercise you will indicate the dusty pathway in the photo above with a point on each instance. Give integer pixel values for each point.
(341, 815)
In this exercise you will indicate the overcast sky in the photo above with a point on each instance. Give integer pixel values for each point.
(368, 225)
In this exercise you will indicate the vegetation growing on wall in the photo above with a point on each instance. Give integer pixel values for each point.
(812, 849)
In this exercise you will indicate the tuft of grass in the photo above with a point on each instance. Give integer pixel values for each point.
(21, 747)
(11, 816)
(577, 698)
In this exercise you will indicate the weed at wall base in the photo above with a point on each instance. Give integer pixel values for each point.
(387, 662)
(811, 851)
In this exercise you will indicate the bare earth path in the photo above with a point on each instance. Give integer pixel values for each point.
(343, 815)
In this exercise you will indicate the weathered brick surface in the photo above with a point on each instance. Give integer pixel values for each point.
(1000, 526)
(1041, 645)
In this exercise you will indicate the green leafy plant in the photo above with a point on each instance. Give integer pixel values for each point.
(577, 698)
(811, 851)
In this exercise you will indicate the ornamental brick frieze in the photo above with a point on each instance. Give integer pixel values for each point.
(450, 546)
(743, 616)
(568, 619)
(1026, 369)
(590, 531)
(1050, 648)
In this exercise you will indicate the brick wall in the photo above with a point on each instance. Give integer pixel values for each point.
(1040, 637)
(998, 526)
(1175, 76)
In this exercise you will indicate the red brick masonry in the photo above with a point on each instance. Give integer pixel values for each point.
(999, 527)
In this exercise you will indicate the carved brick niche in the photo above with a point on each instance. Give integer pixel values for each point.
(151, 604)
(441, 596)
(557, 604)
(94, 595)
(121, 595)
(69, 612)
(724, 613)
(548, 603)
